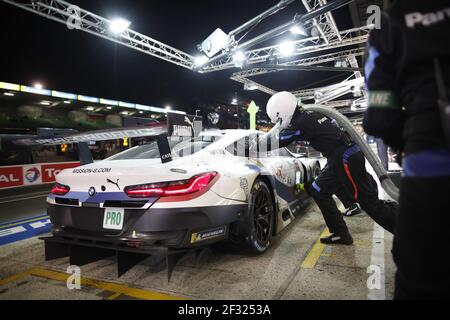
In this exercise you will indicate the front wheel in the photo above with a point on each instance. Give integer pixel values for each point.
(260, 219)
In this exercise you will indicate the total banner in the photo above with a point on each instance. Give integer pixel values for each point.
(32, 174)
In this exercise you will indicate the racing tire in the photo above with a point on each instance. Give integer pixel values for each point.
(260, 220)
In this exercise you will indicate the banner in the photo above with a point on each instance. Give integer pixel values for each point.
(32, 174)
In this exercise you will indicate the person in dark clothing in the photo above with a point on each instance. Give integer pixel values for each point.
(408, 78)
(352, 208)
(346, 164)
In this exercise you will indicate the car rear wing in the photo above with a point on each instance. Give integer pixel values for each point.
(82, 138)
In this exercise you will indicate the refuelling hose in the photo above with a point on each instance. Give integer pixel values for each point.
(386, 182)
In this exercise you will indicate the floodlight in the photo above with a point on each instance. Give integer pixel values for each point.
(298, 30)
(239, 59)
(119, 25)
(200, 61)
(286, 48)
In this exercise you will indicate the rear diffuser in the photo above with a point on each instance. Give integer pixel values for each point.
(83, 252)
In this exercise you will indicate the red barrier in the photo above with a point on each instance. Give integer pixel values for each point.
(32, 174)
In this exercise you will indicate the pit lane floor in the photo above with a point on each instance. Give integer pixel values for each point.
(296, 266)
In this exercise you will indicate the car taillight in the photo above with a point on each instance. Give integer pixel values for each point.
(173, 188)
(60, 189)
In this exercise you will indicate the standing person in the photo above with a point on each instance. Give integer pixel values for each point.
(345, 160)
(408, 78)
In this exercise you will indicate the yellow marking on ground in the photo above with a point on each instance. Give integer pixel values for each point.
(315, 253)
(117, 288)
(22, 222)
(14, 277)
(114, 296)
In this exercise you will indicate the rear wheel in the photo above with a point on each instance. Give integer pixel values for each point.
(260, 219)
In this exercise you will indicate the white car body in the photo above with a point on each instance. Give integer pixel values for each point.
(230, 191)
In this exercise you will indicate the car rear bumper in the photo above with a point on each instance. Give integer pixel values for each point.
(170, 228)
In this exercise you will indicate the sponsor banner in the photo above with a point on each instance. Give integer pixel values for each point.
(11, 177)
(49, 171)
(32, 174)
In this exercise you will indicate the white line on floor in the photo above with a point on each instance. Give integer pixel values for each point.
(377, 260)
(10, 231)
(25, 194)
(21, 199)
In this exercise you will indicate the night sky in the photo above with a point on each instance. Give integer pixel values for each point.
(36, 49)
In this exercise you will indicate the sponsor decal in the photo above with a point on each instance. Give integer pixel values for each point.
(166, 156)
(91, 192)
(207, 235)
(183, 125)
(114, 183)
(182, 131)
(90, 170)
(32, 174)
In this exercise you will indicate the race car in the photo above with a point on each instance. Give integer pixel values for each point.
(212, 190)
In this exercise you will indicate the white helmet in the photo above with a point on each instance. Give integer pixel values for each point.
(281, 106)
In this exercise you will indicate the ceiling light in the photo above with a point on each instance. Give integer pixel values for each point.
(298, 30)
(125, 113)
(119, 25)
(286, 48)
(9, 94)
(109, 108)
(37, 85)
(239, 59)
(250, 87)
(45, 103)
(67, 101)
(90, 108)
(200, 61)
(141, 112)
(234, 101)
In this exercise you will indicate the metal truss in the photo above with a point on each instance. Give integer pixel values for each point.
(76, 18)
(304, 46)
(325, 24)
(307, 94)
(328, 38)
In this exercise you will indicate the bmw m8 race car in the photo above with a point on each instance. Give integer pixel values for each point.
(209, 192)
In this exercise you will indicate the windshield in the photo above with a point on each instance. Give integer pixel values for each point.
(179, 148)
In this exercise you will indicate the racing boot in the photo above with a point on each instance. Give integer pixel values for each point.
(353, 210)
(345, 239)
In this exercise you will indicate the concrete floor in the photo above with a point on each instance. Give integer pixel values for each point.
(21, 203)
(295, 267)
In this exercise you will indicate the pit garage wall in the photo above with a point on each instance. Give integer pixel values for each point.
(32, 174)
